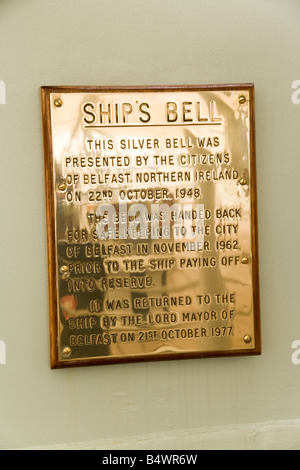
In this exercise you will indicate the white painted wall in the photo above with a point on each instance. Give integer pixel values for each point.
(247, 402)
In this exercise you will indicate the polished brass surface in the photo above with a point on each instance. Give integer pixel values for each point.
(120, 295)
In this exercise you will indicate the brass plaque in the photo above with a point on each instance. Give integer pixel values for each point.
(151, 222)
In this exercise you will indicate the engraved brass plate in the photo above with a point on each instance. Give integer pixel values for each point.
(151, 222)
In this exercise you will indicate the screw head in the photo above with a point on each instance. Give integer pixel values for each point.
(66, 351)
(243, 181)
(245, 260)
(65, 272)
(247, 339)
(58, 102)
(62, 186)
(242, 99)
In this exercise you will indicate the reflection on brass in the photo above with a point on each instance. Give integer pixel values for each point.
(148, 228)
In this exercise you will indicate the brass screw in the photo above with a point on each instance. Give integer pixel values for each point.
(65, 272)
(58, 102)
(243, 181)
(247, 339)
(245, 260)
(62, 186)
(66, 351)
(242, 99)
